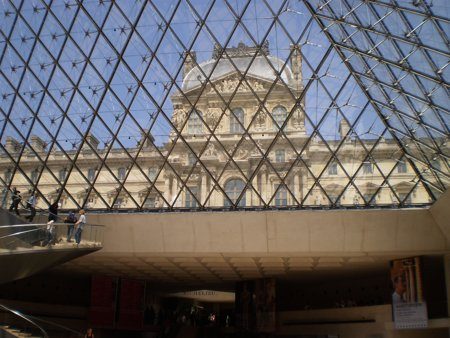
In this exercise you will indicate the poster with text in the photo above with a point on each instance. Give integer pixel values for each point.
(408, 304)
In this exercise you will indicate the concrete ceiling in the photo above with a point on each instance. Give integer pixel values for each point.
(223, 269)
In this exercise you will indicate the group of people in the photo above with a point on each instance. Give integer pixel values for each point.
(74, 228)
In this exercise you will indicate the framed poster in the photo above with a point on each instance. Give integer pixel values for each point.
(409, 308)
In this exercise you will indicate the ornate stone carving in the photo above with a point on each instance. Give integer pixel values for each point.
(242, 50)
(256, 151)
(241, 154)
(260, 120)
(298, 118)
(212, 116)
(229, 85)
(178, 117)
(210, 151)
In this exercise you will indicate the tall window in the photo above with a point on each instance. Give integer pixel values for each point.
(332, 168)
(91, 174)
(121, 172)
(236, 121)
(233, 189)
(401, 167)
(152, 172)
(281, 196)
(279, 114)
(34, 176)
(279, 155)
(367, 168)
(190, 201)
(192, 160)
(8, 175)
(195, 123)
(62, 174)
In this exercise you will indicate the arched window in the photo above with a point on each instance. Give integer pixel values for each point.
(236, 121)
(91, 174)
(233, 189)
(195, 122)
(279, 114)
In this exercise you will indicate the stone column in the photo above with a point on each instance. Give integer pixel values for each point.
(174, 191)
(297, 191)
(167, 180)
(203, 192)
(305, 187)
(213, 199)
(270, 189)
(255, 198)
(264, 184)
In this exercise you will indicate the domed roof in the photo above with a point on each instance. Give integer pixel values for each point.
(260, 68)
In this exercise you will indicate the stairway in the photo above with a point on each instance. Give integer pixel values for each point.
(9, 332)
(24, 250)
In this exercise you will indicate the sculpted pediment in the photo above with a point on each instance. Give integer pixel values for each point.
(228, 85)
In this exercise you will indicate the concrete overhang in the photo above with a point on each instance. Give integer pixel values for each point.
(228, 246)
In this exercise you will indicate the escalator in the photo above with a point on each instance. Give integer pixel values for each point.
(20, 325)
(26, 249)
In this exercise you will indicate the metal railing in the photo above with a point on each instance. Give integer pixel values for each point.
(25, 318)
(33, 321)
(55, 235)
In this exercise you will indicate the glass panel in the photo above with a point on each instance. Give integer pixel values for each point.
(139, 114)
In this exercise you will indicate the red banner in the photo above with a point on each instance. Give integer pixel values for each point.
(103, 291)
(131, 300)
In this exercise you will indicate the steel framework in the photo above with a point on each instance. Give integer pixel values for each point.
(72, 70)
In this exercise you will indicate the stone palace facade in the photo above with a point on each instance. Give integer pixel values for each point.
(250, 110)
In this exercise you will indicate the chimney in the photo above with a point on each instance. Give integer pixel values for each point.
(344, 128)
(92, 140)
(148, 139)
(38, 144)
(190, 59)
(12, 145)
(296, 65)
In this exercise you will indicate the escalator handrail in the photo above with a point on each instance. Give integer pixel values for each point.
(45, 224)
(24, 317)
(19, 233)
(56, 324)
(38, 227)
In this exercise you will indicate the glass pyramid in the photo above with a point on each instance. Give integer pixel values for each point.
(224, 104)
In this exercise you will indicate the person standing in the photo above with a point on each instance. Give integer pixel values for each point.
(52, 218)
(79, 225)
(16, 198)
(53, 211)
(31, 204)
(70, 220)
